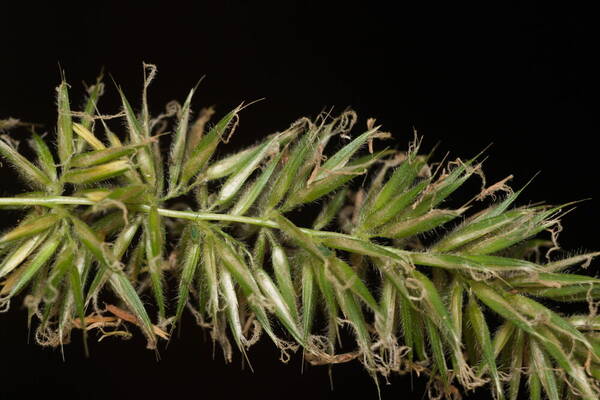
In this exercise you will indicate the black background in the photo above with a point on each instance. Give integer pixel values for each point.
(520, 76)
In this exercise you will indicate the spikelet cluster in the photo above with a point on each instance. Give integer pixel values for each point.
(112, 218)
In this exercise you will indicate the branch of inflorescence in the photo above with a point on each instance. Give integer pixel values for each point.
(51, 201)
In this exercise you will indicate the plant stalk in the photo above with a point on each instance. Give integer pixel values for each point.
(189, 215)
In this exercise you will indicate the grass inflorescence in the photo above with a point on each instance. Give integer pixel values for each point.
(420, 285)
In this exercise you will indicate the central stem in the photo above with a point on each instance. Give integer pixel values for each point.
(189, 215)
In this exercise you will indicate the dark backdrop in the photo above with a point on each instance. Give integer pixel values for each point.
(519, 76)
